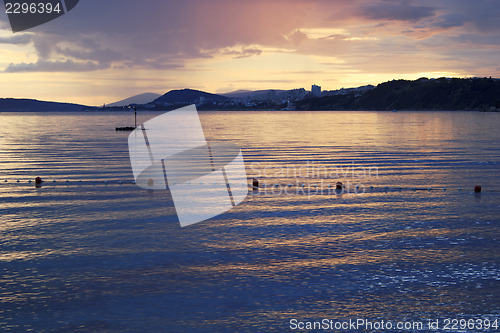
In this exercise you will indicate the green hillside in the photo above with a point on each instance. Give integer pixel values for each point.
(422, 94)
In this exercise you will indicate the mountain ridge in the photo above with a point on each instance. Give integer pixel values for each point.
(34, 105)
(187, 96)
(249, 93)
(143, 98)
(442, 94)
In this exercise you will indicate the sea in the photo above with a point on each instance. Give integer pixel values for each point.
(405, 244)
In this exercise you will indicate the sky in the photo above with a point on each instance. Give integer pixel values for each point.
(105, 51)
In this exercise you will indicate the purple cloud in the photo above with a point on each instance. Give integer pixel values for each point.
(395, 11)
(127, 34)
(16, 40)
(52, 66)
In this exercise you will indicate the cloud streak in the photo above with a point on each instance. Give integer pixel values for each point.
(53, 66)
(16, 40)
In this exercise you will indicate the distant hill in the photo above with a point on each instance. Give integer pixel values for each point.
(188, 96)
(235, 94)
(249, 93)
(481, 94)
(137, 99)
(422, 94)
(33, 105)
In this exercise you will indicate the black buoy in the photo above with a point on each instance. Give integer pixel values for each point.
(129, 128)
(255, 184)
(339, 186)
(477, 189)
(38, 182)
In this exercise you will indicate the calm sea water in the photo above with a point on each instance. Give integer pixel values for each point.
(91, 252)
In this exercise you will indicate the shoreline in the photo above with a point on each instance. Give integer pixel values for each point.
(235, 110)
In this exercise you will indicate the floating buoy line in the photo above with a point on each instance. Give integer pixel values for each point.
(52, 182)
(314, 189)
(257, 188)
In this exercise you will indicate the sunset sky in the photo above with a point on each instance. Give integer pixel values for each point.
(104, 51)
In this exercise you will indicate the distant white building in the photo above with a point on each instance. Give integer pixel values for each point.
(316, 90)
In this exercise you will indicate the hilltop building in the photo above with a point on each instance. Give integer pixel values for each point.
(316, 90)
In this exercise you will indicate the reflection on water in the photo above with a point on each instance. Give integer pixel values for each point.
(103, 255)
